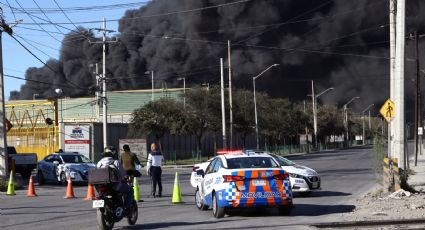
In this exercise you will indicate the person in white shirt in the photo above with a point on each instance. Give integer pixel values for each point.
(155, 161)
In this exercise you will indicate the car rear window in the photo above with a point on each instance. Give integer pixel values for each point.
(75, 159)
(251, 162)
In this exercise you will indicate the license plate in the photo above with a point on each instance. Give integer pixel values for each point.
(98, 203)
(315, 185)
(259, 182)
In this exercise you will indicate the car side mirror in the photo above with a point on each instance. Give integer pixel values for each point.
(56, 162)
(200, 172)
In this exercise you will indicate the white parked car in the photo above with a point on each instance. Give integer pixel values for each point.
(242, 181)
(303, 179)
(57, 167)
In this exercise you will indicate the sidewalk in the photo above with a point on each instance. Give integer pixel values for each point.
(417, 181)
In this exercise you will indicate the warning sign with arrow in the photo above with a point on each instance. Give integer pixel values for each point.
(387, 110)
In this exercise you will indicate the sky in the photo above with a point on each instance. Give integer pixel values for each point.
(16, 60)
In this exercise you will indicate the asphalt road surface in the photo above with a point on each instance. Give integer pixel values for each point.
(345, 175)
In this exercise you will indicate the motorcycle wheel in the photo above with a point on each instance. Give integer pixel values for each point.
(103, 222)
(132, 216)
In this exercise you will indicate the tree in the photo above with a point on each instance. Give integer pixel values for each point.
(197, 114)
(157, 118)
(243, 113)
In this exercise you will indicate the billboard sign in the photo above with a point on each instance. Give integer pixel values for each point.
(77, 139)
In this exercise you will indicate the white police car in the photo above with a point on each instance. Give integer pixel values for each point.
(303, 179)
(57, 167)
(241, 180)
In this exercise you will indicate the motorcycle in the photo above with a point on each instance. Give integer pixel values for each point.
(110, 206)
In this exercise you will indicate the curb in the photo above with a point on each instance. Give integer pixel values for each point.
(368, 223)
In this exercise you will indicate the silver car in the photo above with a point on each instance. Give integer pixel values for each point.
(58, 167)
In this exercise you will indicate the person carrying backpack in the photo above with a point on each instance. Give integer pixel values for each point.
(123, 188)
(129, 161)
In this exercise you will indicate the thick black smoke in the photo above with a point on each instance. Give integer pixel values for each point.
(340, 43)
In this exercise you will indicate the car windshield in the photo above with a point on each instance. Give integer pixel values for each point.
(75, 159)
(251, 162)
(283, 161)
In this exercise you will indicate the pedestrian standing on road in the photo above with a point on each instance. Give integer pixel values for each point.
(129, 161)
(155, 161)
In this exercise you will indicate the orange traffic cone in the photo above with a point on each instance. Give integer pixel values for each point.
(90, 193)
(69, 190)
(31, 189)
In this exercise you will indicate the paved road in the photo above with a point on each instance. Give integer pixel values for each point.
(346, 175)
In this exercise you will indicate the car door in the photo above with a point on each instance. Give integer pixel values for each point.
(210, 180)
(207, 181)
(47, 167)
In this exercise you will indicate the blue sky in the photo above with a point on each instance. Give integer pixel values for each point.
(16, 59)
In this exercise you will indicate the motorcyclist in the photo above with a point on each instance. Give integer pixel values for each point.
(121, 187)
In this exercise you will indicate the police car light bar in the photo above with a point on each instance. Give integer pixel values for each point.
(229, 152)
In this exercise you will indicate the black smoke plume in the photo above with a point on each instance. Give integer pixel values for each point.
(338, 43)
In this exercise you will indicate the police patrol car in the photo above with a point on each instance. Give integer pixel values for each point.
(239, 180)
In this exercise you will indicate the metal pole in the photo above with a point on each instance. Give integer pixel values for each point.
(363, 136)
(392, 71)
(314, 113)
(184, 92)
(97, 94)
(346, 125)
(152, 86)
(223, 112)
(104, 101)
(255, 113)
(417, 96)
(4, 166)
(230, 95)
(399, 110)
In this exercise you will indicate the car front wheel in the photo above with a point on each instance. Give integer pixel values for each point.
(218, 212)
(198, 201)
(63, 180)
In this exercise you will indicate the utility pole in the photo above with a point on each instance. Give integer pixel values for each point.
(417, 98)
(98, 78)
(153, 85)
(104, 89)
(230, 94)
(4, 167)
(391, 128)
(313, 97)
(399, 127)
(223, 112)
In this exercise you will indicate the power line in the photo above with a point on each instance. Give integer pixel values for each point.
(13, 12)
(35, 47)
(275, 27)
(76, 27)
(86, 8)
(29, 15)
(29, 51)
(41, 82)
(154, 15)
(57, 28)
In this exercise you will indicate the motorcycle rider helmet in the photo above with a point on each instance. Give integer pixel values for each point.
(107, 152)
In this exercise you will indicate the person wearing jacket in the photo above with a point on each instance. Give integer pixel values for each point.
(129, 160)
(123, 188)
(155, 161)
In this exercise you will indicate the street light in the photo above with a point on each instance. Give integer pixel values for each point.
(346, 117)
(184, 90)
(255, 102)
(314, 98)
(363, 137)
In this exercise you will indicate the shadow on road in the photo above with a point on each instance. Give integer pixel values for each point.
(172, 224)
(322, 194)
(319, 210)
(298, 210)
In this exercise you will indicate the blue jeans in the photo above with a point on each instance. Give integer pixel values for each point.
(128, 193)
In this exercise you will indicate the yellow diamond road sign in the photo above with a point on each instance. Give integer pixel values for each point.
(387, 110)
